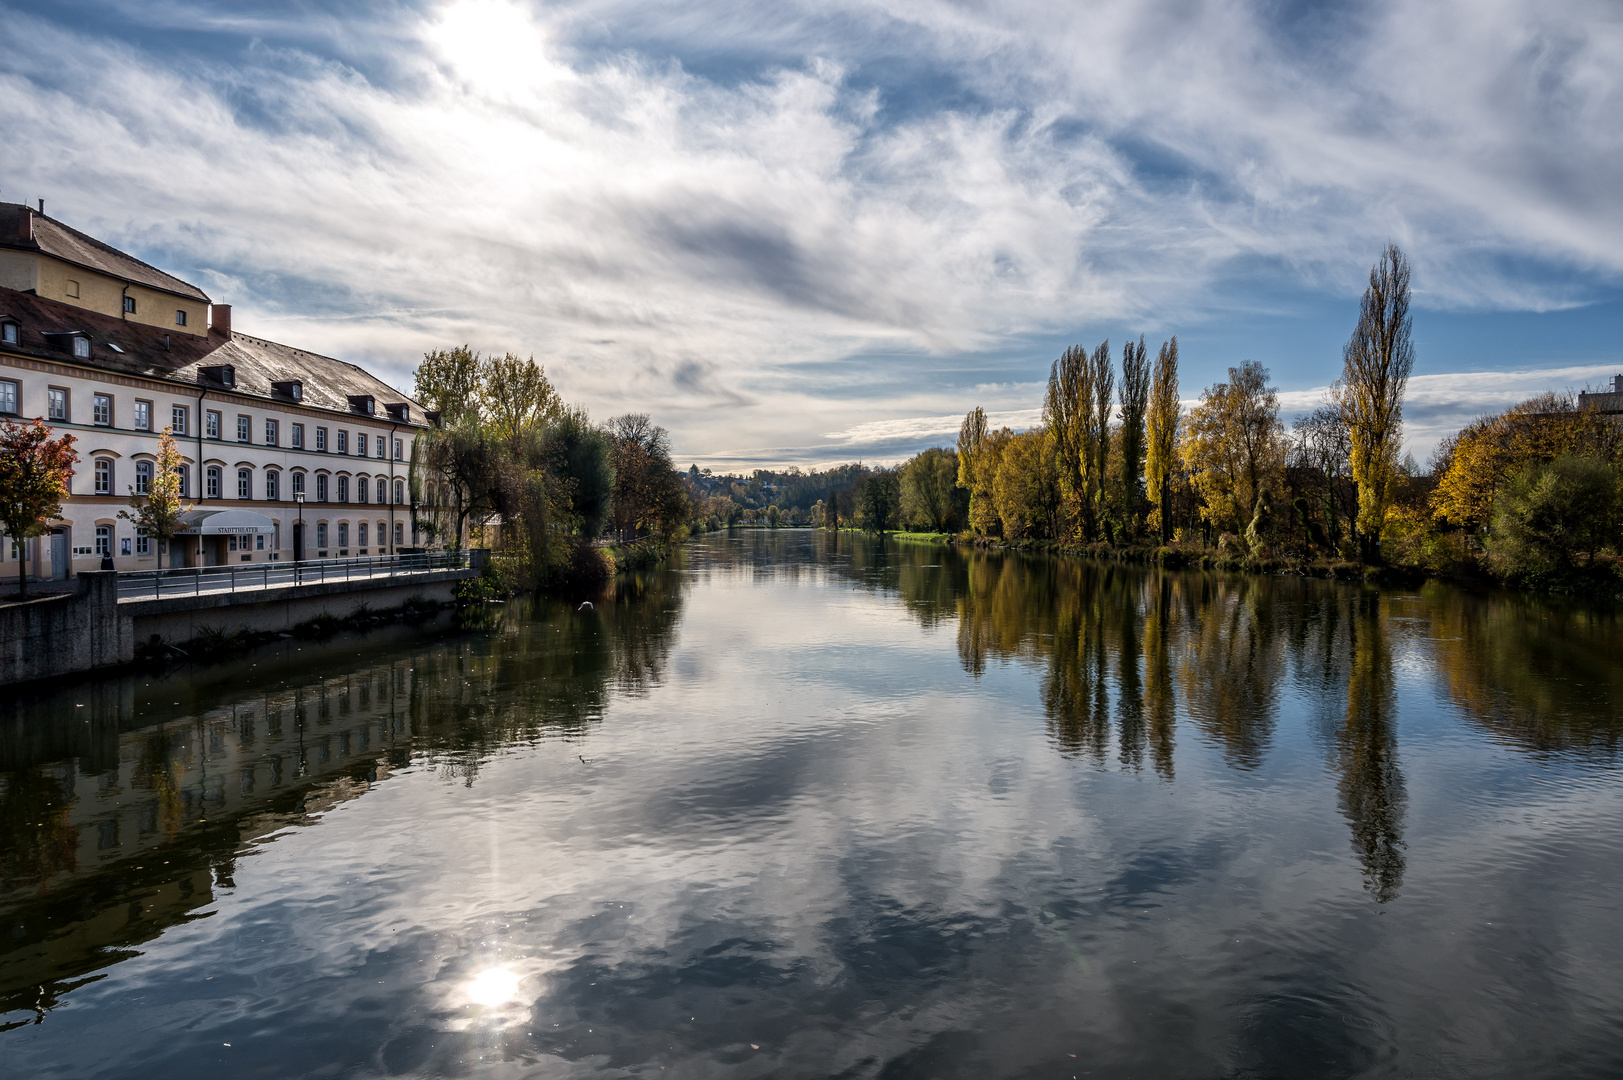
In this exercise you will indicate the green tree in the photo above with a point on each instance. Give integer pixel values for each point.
(1098, 432)
(1066, 408)
(1160, 458)
(1549, 513)
(515, 396)
(928, 488)
(1376, 365)
(976, 471)
(1135, 402)
(880, 497)
(159, 511)
(35, 470)
(448, 382)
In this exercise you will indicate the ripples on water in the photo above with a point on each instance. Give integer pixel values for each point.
(789, 809)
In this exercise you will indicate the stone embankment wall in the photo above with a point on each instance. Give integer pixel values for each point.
(89, 629)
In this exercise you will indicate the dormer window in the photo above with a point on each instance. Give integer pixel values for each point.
(291, 389)
(9, 333)
(400, 412)
(223, 374)
(81, 346)
(364, 404)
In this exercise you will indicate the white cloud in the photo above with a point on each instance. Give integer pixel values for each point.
(731, 253)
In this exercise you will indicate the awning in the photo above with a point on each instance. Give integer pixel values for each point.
(225, 523)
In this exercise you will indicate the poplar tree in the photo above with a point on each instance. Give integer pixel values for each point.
(1098, 436)
(1376, 365)
(1065, 409)
(1135, 399)
(1162, 448)
(974, 475)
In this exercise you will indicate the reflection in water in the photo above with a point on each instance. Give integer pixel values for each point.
(104, 851)
(1371, 786)
(807, 806)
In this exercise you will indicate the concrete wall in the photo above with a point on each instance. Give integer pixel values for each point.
(183, 618)
(88, 629)
(55, 635)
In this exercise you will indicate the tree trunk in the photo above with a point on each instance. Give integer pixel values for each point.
(22, 570)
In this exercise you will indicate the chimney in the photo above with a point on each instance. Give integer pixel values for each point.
(25, 224)
(1617, 384)
(220, 318)
(42, 208)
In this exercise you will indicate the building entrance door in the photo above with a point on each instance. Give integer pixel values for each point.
(59, 554)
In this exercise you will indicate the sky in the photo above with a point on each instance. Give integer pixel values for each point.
(808, 233)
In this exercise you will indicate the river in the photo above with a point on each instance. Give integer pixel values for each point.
(794, 807)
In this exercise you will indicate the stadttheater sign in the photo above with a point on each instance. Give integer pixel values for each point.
(225, 523)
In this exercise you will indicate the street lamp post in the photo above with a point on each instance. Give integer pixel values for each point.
(298, 552)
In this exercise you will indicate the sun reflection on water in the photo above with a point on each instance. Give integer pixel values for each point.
(494, 986)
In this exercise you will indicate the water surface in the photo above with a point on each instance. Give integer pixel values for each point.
(781, 808)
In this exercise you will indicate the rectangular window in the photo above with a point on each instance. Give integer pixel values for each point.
(245, 484)
(104, 541)
(321, 487)
(321, 535)
(57, 403)
(143, 416)
(104, 476)
(211, 480)
(177, 420)
(343, 442)
(8, 333)
(298, 483)
(10, 394)
(259, 542)
(273, 486)
(399, 533)
(143, 541)
(321, 439)
(184, 474)
(211, 424)
(382, 446)
(245, 429)
(343, 534)
(270, 433)
(101, 409)
(143, 478)
(399, 450)
(81, 346)
(298, 436)
(343, 489)
(180, 317)
(360, 534)
(129, 305)
(360, 444)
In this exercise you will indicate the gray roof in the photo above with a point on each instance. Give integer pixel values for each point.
(70, 245)
(326, 383)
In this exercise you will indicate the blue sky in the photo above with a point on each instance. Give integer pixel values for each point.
(806, 233)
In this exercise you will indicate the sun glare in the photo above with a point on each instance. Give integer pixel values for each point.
(493, 986)
(496, 46)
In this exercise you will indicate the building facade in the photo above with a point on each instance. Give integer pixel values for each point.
(286, 454)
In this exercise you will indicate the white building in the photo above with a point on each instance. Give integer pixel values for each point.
(99, 344)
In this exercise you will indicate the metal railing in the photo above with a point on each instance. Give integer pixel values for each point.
(201, 580)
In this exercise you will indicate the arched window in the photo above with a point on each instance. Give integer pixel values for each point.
(104, 476)
(273, 485)
(399, 533)
(321, 534)
(360, 534)
(399, 492)
(343, 492)
(343, 534)
(143, 477)
(213, 478)
(298, 483)
(321, 487)
(245, 484)
(361, 488)
(383, 491)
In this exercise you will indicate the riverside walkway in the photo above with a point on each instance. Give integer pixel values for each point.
(141, 585)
